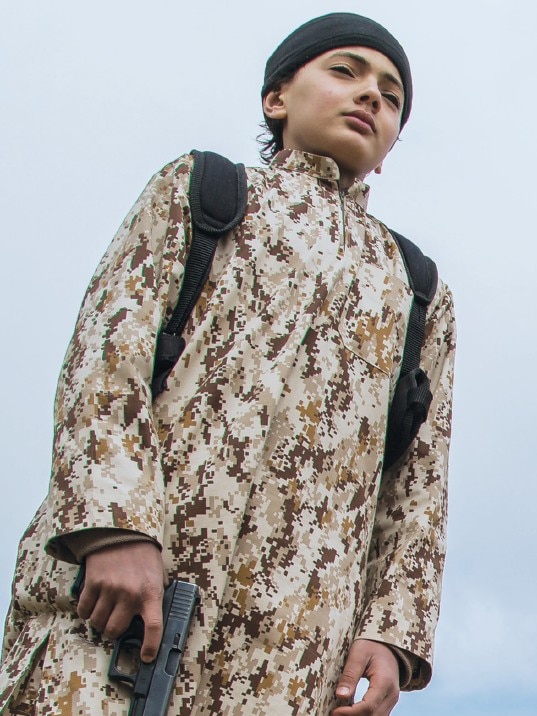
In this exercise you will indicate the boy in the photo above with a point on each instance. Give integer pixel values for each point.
(258, 473)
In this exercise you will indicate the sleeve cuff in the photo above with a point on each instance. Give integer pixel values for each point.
(407, 665)
(84, 542)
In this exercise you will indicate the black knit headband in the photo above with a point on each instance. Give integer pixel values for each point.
(328, 32)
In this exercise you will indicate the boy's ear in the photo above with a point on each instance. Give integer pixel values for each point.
(274, 106)
(378, 170)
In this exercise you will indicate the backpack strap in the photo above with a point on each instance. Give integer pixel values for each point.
(412, 396)
(218, 198)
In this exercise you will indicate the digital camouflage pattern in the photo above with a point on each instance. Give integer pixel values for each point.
(259, 469)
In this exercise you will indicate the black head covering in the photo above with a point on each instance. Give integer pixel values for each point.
(328, 32)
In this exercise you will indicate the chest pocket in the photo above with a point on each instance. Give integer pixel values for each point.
(374, 317)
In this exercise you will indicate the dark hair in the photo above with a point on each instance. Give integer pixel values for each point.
(270, 139)
(271, 136)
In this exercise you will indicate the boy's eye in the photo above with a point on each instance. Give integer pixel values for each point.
(393, 98)
(344, 69)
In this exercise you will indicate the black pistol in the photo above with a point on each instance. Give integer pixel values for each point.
(153, 683)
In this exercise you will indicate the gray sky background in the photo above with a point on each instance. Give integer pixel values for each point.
(97, 97)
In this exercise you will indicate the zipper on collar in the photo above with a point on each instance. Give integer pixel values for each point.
(342, 207)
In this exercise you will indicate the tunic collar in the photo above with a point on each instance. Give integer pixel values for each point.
(322, 168)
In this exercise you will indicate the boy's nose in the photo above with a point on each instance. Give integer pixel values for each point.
(369, 95)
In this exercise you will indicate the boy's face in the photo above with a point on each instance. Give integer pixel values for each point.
(345, 104)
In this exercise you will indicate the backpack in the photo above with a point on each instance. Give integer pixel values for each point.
(218, 199)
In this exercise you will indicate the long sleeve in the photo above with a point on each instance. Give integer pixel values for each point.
(106, 469)
(407, 552)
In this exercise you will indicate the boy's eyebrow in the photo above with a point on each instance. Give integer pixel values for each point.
(365, 63)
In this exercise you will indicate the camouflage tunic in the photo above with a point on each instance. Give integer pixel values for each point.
(259, 469)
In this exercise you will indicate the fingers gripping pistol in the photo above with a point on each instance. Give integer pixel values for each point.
(152, 683)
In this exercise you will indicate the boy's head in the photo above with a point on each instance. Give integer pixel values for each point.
(349, 62)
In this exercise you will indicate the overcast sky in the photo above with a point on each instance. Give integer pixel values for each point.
(96, 97)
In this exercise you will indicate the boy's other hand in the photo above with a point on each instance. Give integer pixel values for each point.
(121, 581)
(377, 663)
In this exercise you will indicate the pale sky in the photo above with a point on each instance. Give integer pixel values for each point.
(97, 97)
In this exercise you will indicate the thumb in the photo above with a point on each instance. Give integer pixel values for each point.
(352, 672)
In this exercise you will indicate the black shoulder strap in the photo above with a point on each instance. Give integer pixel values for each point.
(218, 197)
(412, 396)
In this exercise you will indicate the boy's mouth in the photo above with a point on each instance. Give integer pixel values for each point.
(362, 120)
